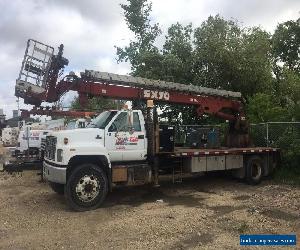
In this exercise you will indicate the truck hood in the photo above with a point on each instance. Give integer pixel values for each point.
(82, 136)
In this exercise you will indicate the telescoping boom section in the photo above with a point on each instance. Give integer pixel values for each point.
(158, 84)
(207, 100)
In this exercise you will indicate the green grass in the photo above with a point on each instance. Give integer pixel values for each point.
(287, 175)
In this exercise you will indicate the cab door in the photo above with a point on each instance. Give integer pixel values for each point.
(125, 138)
(136, 146)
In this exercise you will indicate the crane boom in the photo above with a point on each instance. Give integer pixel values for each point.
(214, 105)
(157, 84)
(39, 82)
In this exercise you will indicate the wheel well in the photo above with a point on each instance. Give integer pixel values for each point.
(251, 157)
(261, 158)
(99, 160)
(266, 161)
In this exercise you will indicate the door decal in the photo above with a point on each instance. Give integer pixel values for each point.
(124, 139)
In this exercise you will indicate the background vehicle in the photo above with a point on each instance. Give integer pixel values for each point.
(31, 140)
(10, 136)
(76, 123)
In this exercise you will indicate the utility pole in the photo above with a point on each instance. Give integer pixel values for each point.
(18, 104)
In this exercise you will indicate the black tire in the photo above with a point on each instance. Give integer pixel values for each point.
(57, 188)
(254, 170)
(86, 187)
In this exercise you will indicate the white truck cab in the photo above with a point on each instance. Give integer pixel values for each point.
(119, 135)
(114, 136)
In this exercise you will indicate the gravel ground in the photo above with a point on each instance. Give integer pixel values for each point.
(208, 212)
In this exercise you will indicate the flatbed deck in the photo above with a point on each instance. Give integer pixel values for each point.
(182, 151)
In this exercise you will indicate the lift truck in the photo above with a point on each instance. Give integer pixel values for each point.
(130, 147)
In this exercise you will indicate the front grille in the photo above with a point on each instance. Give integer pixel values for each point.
(43, 144)
(50, 147)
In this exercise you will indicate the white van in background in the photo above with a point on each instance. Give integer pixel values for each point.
(31, 139)
(10, 136)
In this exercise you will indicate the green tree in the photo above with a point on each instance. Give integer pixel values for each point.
(286, 44)
(216, 43)
(141, 50)
(217, 54)
(178, 54)
(177, 67)
(286, 67)
(97, 104)
(264, 108)
(232, 58)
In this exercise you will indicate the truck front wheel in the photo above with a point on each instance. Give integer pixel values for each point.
(86, 187)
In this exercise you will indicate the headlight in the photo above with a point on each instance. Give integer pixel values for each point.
(59, 155)
(66, 140)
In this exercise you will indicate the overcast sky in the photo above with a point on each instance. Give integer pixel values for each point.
(90, 29)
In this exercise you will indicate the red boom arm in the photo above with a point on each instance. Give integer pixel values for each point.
(213, 105)
(37, 82)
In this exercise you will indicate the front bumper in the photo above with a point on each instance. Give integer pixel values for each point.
(55, 174)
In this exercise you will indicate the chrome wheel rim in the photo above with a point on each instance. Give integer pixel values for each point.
(87, 188)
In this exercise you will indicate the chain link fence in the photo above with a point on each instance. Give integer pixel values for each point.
(275, 134)
(283, 135)
(201, 136)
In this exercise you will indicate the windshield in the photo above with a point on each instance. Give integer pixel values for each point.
(102, 120)
(71, 125)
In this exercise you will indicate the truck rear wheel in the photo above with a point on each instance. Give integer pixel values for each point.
(86, 188)
(254, 170)
(57, 188)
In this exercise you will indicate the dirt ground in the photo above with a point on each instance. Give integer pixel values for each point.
(208, 212)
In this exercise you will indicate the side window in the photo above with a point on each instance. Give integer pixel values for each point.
(136, 122)
(81, 125)
(120, 123)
